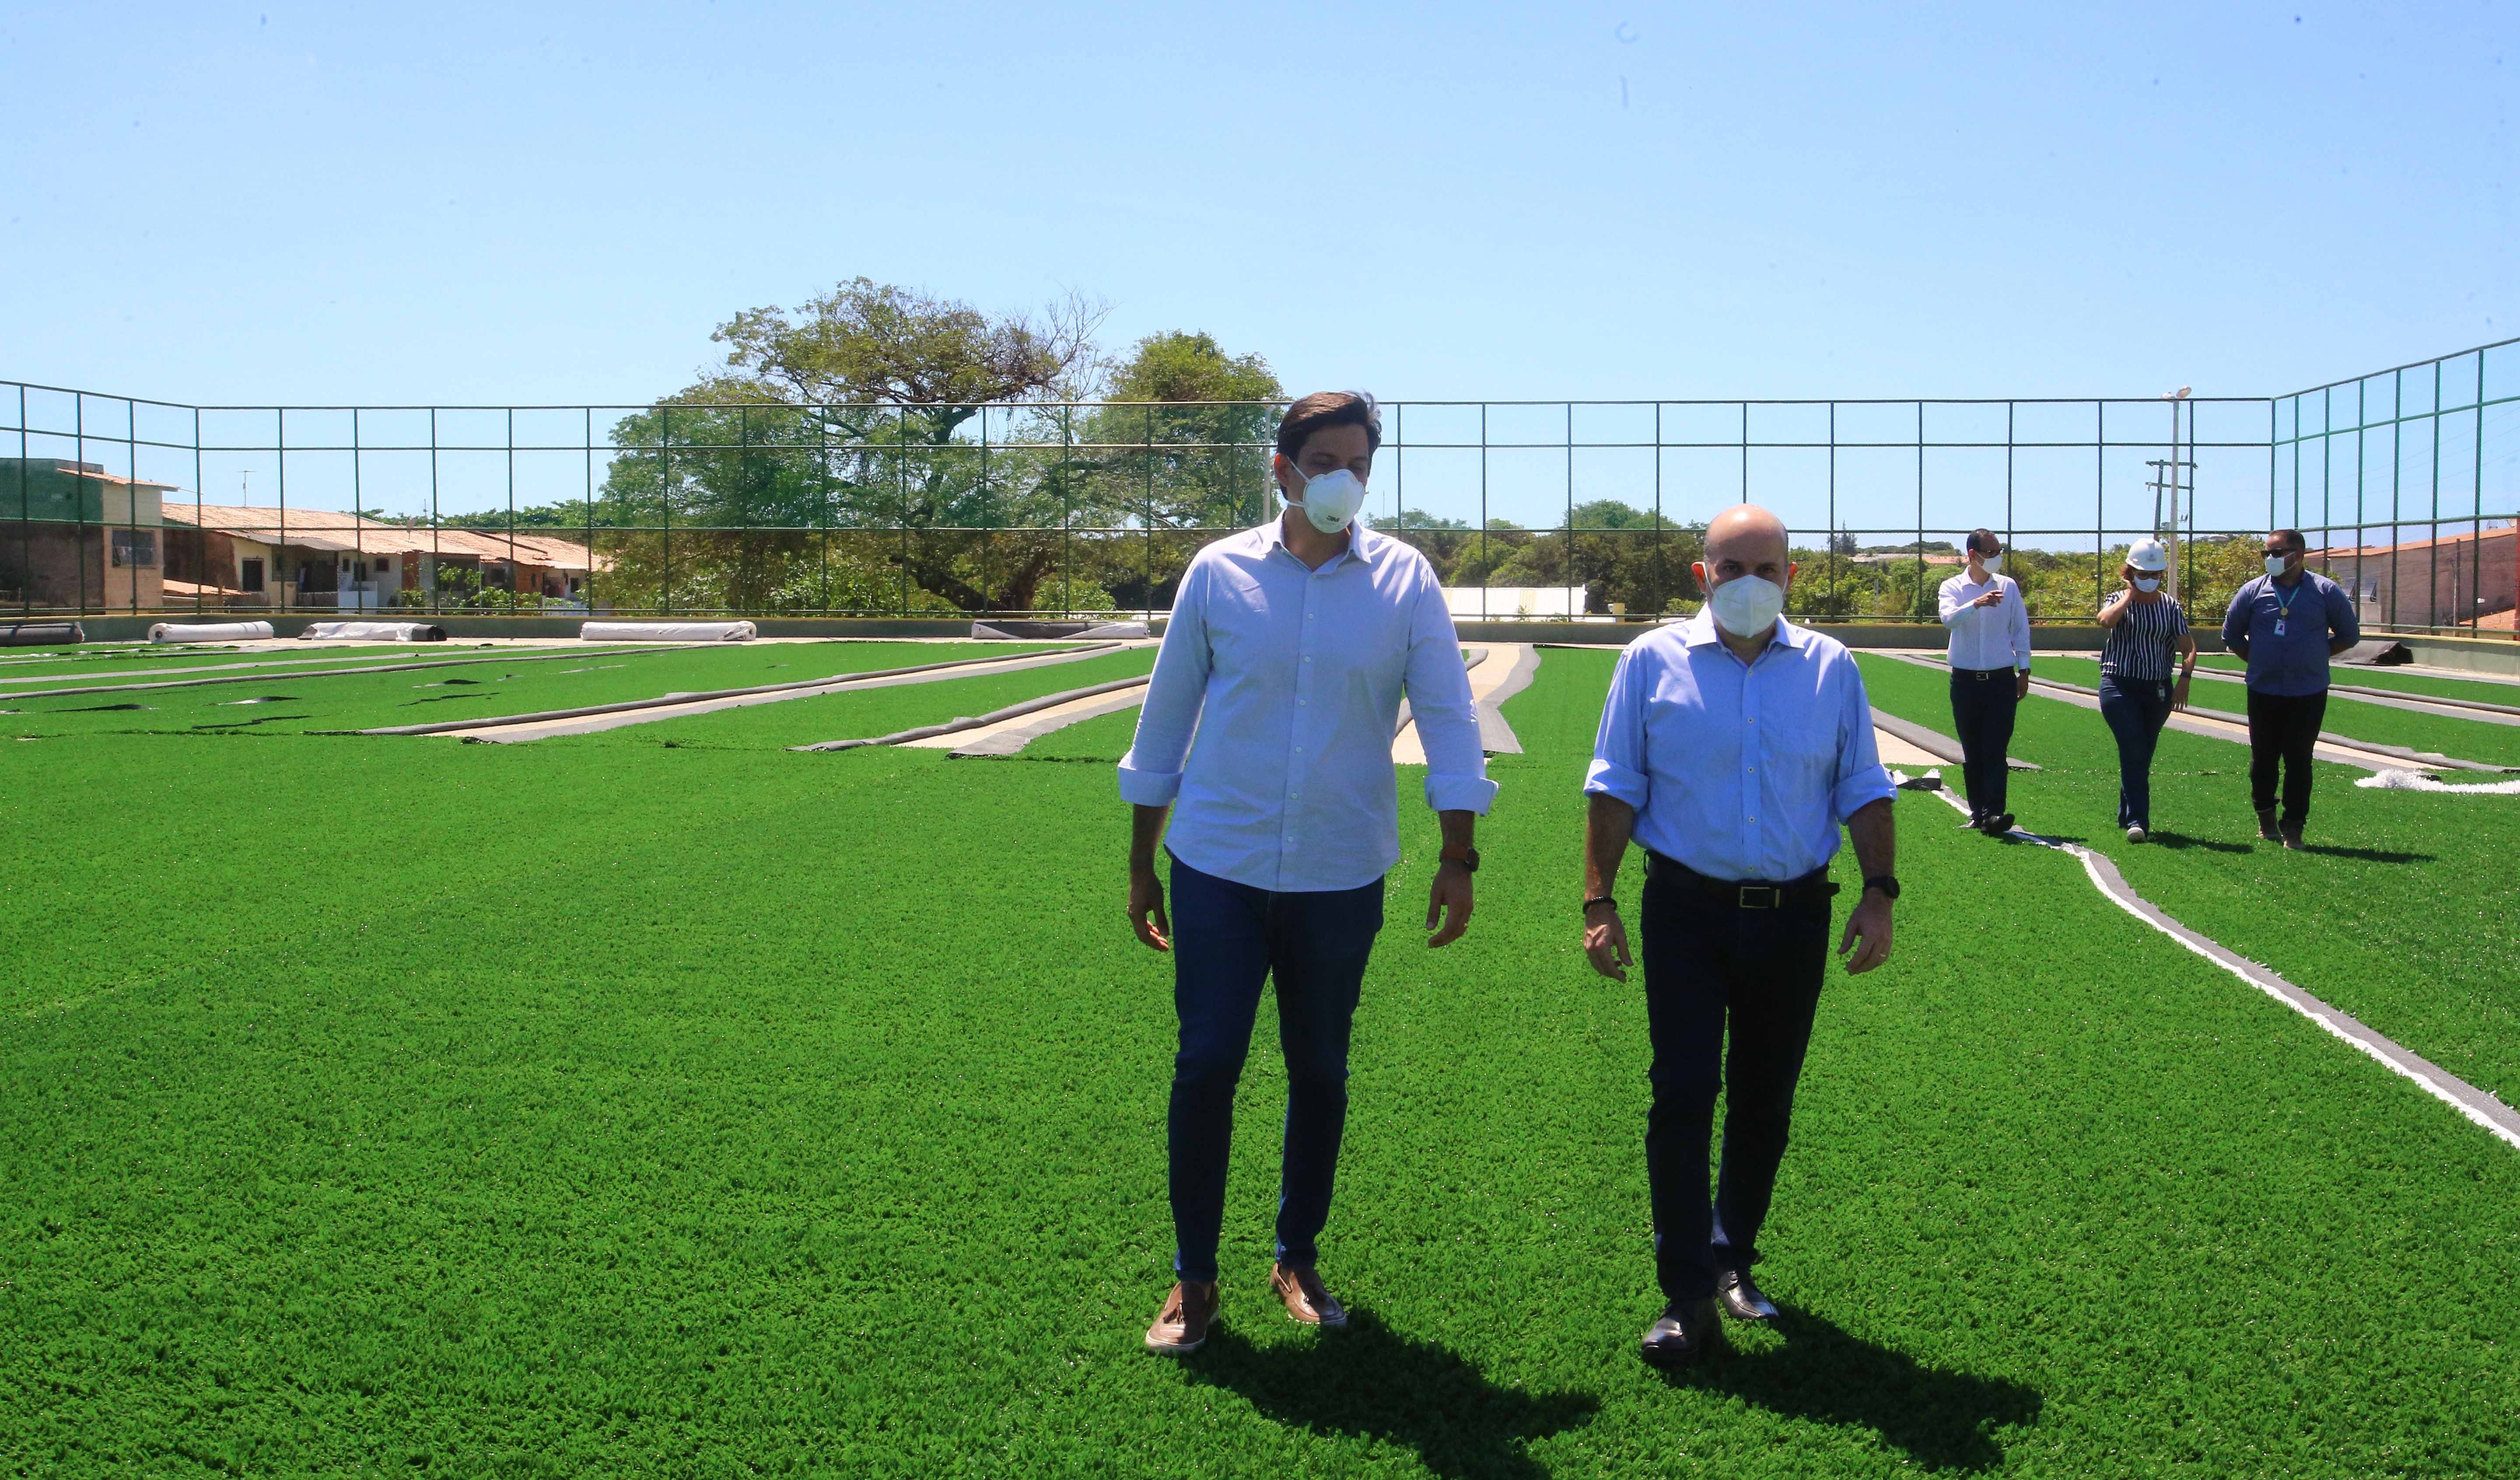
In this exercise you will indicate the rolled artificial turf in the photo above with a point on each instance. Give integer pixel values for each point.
(715, 1111)
(295, 705)
(152, 663)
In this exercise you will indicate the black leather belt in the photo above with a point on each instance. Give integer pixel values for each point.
(1812, 888)
(1980, 674)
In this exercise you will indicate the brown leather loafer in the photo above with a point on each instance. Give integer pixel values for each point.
(1182, 1326)
(1307, 1299)
(1683, 1334)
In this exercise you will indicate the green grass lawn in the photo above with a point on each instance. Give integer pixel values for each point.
(2485, 689)
(635, 1111)
(146, 663)
(2473, 739)
(2399, 913)
(294, 705)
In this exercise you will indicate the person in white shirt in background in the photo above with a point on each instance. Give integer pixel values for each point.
(1267, 730)
(1990, 658)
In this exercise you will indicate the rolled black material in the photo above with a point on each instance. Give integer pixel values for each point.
(40, 634)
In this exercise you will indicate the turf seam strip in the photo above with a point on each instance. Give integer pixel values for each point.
(700, 697)
(2397, 698)
(265, 678)
(2212, 726)
(2483, 1109)
(964, 722)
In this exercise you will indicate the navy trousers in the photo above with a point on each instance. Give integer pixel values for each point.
(2135, 709)
(1710, 966)
(1228, 940)
(1983, 705)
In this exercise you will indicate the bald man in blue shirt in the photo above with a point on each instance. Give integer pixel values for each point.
(1733, 748)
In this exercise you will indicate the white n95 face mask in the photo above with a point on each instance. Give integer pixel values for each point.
(1331, 501)
(2275, 563)
(1994, 565)
(1746, 605)
(2152, 584)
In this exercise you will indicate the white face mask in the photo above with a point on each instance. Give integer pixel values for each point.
(2275, 563)
(1331, 499)
(2148, 583)
(1746, 605)
(1994, 564)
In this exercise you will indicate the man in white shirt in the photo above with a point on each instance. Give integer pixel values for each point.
(1990, 658)
(1267, 730)
(1733, 748)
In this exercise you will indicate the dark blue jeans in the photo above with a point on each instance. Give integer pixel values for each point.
(1228, 938)
(2135, 709)
(1707, 962)
(1983, 707)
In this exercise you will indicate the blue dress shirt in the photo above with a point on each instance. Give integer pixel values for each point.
(1740, 771)
(2296, 662)
(1291, 680)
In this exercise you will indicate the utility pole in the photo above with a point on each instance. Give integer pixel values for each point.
(2164, 488)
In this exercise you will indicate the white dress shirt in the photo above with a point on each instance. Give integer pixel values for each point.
(1985, 637)
(1291, 680)
(1740, 771)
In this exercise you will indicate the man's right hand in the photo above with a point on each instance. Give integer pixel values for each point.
(1147, 899)
(1990, 599)
(1605, 942)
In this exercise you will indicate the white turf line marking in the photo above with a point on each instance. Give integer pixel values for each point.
(2495, 1118)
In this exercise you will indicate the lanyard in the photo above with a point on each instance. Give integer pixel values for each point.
(2284, 603)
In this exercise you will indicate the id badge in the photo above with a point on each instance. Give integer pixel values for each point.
(2279, 621)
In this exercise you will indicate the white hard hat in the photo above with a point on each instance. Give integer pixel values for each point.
(2148, 554)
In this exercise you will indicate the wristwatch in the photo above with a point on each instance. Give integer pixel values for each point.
(1467, 858)
(1887, 883)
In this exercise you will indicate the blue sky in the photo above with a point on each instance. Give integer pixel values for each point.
(282, 203)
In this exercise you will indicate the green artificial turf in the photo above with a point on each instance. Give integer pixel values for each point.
(2399, 912)
(2485, 690)
(155, 662)
(2473, 739)
(869, 713)
(286, 704)
(634, 1110)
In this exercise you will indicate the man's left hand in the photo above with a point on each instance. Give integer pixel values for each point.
(2021, 683)
(1871, 922)
(1448, 901)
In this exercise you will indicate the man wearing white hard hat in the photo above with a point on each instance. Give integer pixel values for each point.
(2147, 630)
(1990, 661)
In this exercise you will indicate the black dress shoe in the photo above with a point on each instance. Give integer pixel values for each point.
(1741, 1299)
(1999, 825)
(1685, 1331)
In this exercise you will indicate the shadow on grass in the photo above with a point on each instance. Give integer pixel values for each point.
(1370, 1380)
(2176, 841)
(1944, 1420)
(2369, 855)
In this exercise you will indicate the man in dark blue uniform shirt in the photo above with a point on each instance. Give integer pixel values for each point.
(2288, 623)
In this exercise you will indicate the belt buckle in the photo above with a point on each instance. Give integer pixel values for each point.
(1769, 896)
(1982, 675)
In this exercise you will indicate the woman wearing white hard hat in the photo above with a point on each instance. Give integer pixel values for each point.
(2147, 630)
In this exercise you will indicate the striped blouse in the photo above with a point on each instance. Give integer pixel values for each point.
(2143, 644)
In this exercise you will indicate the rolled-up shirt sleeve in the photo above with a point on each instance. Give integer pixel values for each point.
(1861, 780)
(1151, 774)
(1618, 769)
(1438, 684)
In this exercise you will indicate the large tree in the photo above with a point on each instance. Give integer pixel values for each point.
(869, 407)
(1179, 450)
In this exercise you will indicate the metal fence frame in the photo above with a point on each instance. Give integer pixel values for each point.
(2289, 445)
